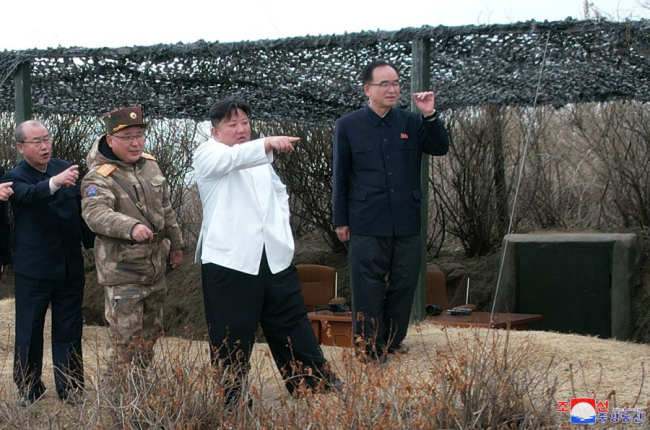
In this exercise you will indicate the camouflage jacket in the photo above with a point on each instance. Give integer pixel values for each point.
(110, 212)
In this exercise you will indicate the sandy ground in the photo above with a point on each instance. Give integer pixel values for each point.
(583, 366)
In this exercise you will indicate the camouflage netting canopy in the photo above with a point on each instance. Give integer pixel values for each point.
(316, 79)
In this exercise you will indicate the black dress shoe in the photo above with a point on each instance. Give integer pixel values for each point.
(374, 360)
(72, 398)
(402, 348)
(331, 382)
(23, 401)
(26, 400)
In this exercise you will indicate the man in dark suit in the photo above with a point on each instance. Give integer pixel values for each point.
(48, 265)
(5, 229)
(377, 197)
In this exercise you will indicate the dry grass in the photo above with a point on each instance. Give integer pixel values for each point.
(451, 378)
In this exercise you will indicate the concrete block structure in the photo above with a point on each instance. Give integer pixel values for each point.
(580, 282)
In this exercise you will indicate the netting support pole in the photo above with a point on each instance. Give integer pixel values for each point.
(23, 95)
(421, 81)
(23, 92)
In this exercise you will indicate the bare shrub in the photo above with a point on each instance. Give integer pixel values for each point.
(436, 222)
(467, 378)
(469, 183)
(586, 166)
(479, 385)
(490, 384)
(177, 391)
(307, 173)
(560, 188)
(73, 135)
(7, 142)
(619, 135)
(173, 142)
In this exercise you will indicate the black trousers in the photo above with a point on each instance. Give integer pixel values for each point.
(383, 276)
(33, 296)
(237, 303)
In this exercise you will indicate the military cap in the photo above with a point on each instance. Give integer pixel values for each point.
(124, 118)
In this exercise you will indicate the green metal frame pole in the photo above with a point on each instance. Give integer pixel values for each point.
(23, 93)
(23, 96)
(421, 81)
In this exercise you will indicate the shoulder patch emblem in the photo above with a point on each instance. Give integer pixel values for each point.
(92, 191)
(148, 156)
(106, 169)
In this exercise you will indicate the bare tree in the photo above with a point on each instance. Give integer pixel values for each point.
(619, 134)
(173, 142)
(307, 172)
(72, 137)
(7, 141)
(471, 188)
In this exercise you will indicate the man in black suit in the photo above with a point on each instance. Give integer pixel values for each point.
(48, 265)
(377, 197)
(5, 229)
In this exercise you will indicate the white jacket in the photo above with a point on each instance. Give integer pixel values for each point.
(245, 208)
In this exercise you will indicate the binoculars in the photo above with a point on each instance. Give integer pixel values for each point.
(337, 307)
(433, 309)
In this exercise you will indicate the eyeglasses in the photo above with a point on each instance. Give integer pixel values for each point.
(131, 137)
(386, 85)
(38, 142)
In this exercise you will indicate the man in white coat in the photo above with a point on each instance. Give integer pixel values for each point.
(246, 248)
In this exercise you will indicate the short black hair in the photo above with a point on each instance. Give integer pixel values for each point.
(366, 74)
(225, 108)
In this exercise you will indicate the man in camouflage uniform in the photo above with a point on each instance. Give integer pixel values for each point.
(126, 202)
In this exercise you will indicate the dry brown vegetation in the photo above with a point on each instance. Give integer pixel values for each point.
(451, 378)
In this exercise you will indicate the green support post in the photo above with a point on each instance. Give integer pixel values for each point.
(23, 93)
(421, 81)
(23, 96)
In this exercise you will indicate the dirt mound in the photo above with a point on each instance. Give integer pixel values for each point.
(184, 312)
(184, 315)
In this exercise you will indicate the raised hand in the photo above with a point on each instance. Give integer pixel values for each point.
(68, 177)
(280, 143)
(6, 191)
(425, 101)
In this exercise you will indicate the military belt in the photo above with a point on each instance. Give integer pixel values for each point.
(157, 238)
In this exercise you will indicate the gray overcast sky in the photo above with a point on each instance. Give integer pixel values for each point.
(114, 23)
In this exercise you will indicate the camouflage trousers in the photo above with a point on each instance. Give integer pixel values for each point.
(135, 316)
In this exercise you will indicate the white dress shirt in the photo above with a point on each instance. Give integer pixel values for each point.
(245, 208)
